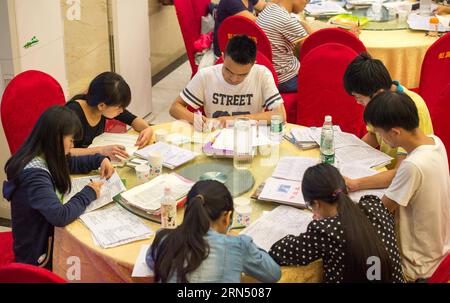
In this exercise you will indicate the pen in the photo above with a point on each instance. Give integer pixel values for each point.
(358, 22)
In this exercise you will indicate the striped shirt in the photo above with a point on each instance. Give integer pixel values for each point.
(208, 89)
(283, 30)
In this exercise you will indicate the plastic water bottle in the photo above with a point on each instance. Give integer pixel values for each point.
(327, 142)
(168, 210)
(425, 7)
(277, 122)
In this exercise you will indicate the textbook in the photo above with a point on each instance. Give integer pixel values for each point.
(348, 21)
(173, 156)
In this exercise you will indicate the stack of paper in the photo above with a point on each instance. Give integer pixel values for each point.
(127, 140)
(147, 196)
(277, 224)
(356, 172)
(110, 188)
(418, 22)
(173, 156)
(326, 8)
(350, 149)
(115, 226)
(285, 184)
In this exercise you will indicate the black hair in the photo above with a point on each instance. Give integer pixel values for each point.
(366, 76)
(324, 182)
(109, 88)
(46, 141)
(242, 49)
(182, 250)
(392, 109)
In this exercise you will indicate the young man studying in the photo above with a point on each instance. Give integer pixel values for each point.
(419, 194)
(236, 88)
(364, 79)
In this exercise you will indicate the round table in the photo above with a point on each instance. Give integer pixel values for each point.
(116, 264)
(402, 51)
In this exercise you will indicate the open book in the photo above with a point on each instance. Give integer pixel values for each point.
(126, 140)
(173, 156)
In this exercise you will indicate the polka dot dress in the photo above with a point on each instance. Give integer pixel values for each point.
(325, 239)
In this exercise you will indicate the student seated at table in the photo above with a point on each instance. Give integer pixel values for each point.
(349, 238)
(199, 250)
(107, 97)
(38, 175)
(284, 32)
(364, 79)
(420, 191)
(236, 88)
(228, 8)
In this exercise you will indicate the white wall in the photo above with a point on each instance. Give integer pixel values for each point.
(6, 63)
(132, 51)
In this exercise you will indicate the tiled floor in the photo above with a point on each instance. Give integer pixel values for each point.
(165, 92)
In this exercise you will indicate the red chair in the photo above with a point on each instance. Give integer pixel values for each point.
(239, 25)
(290, 99)
(331, 35)
(115, 126)
(190, 13)
(439, 113)
(321, 93)
(6, 248)
(442, 273)
(25, 273)
(24, 100)
(435, 73)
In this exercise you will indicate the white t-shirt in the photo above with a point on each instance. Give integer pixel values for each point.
(209, 89)
(421, 187)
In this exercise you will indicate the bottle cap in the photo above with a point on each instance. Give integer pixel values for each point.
(328, 119)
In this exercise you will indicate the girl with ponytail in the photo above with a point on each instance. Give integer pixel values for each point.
(356, 242)
(199, 250)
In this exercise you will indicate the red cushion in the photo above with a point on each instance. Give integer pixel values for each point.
(331, 35)
(6, 248)
(239, 25)
(321, 92)
(435, 73)
(189, 13)
(440, 114)
(25, 273)
(442, 273)
(290, 104)
(25, 98)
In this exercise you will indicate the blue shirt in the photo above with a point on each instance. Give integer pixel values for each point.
(230, 256)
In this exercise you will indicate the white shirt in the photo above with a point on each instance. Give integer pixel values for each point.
(209, 89)
(421, 187)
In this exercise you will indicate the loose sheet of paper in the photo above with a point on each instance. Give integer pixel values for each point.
(141, 269)
(109, 190)
(293, 168)
(225, 140)
(114, 226)
(356, 172)
(173, 156)
(275, 225)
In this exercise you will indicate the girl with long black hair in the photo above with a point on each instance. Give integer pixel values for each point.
(39, 176)
(356, 242)
(107, 97)
(199, 250)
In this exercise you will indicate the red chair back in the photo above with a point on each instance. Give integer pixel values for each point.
(442, 273)
(331, 35)
(26, 97)
(115, 126)
(25, 273)
(435, 74)
(239, 25)
(440, 112)
(6, 248)
(321, 92)
(190, 13)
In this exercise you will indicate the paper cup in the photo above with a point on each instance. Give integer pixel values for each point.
(142, 173)
(161, 135)
(155, 161)
(243, 215)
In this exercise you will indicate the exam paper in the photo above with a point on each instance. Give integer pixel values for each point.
(114, 226)
(275, 225)
(293, 168)
(109, 190)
